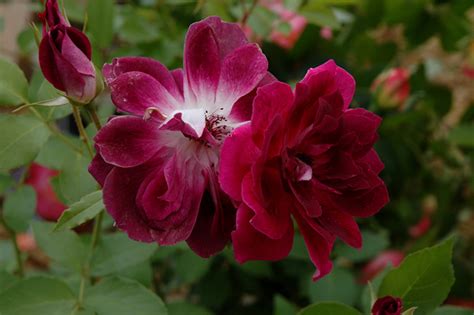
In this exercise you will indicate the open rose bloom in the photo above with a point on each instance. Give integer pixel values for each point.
(304, 155)
(158, 164)
(281, 154)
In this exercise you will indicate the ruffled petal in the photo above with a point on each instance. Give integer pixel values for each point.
(202, 65)
(128, 141)
(134, 92)
(120, 189)
(237, 155)
(319, 247)
(155, 69)
(249, 244)
(343, 81)
(241, 71)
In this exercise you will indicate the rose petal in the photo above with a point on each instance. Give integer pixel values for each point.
(241, 71)
(128, 141)
(120, 189)
(249, 244)
(237, 155)
(148, 66)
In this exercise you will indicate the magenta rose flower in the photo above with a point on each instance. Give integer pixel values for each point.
(65, 56)
(387, 305)
(158, 164)
(304, 155)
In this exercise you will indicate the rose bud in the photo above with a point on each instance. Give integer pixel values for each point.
(65, 56)
(420, 229)
(387, 305)
(48, 205)
(375, 266)
(392, 88)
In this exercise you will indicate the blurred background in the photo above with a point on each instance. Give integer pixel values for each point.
(413, 61)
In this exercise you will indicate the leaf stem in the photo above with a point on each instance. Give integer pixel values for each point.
(247, 12)
(54, 130)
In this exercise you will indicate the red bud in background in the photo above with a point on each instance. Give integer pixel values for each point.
(375, 266)
(392, 88)
(48, 205)
(65, 56)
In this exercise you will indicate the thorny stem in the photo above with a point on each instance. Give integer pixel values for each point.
(247, 12)
(82, 131)
(95, 118)
(85, 274)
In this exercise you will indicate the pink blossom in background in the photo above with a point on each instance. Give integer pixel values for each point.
(158, 164)
(296, 22)
(48, 206)
(65, 56)
(326, 33)
(378, 264)
(392, 88)
(305, 155)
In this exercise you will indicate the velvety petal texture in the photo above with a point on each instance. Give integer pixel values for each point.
(65, 56)
(158, 163)
(305, 155)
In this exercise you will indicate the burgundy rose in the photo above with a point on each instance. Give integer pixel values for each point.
(387, 305)
(48, 206)
(158, 164)
(304, 155)
(65, 56)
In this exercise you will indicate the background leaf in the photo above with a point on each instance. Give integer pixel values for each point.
(13, 84)
(19, 208)
(120, 296)
(327, 308)
(21, 140)
(37, 296)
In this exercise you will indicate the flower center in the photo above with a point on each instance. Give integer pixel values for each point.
(216, 125)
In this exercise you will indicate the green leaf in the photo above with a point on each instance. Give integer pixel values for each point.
(329, 288)
(282, 306)
(37, 296)
(6, 182)
(65, 247)
(329, 308)
(19, 208)
(74, 181)
(185, 308)
(463, 135)
(22, 138)
(190, 267)
(423, 279)
(6, 280)
(13, 84)
(120, 296)
(373, 243)
(80, 212)
(116, 252)
(322, 17)
(101, 21)
(452, 310)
